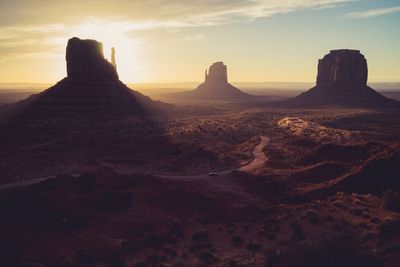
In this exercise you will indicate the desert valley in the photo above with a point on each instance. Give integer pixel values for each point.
(97, 174)
(97, 170)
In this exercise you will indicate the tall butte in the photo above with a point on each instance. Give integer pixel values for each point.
(342, 81)
(86, 62)
(92, 86)
(216, 86)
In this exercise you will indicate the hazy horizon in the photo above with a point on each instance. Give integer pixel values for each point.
(155, 88)
(259, 41)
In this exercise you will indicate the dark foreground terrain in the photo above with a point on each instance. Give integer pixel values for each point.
(134, 190)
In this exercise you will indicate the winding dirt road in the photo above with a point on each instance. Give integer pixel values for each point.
(29, 182)
(259, 159)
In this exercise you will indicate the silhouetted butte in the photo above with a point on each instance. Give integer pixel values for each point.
(92, 86)
(342, 81)
(217, 87)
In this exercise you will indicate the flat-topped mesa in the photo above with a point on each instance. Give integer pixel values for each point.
(342, 82)
(343, 67)
(85, 61)
(217, 73)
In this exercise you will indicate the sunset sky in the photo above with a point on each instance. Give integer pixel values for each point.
(175, 40)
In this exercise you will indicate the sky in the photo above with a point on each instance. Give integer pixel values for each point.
(162, 41)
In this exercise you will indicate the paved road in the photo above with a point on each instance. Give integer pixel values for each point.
(258, 161)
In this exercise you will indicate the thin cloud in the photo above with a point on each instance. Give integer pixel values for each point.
(152, 13)
(371, 13)
(194, 37)
(48, 23)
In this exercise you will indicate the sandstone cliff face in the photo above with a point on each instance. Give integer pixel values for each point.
(217, 73)
(342, 67)
(85, 60)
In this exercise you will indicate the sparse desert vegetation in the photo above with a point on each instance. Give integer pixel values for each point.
(297, 207)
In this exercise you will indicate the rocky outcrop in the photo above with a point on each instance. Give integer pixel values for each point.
(85, 61)
(217, 73)
(343, 67)
(342, 81)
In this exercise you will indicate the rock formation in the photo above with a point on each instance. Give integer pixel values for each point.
(217, 73)
(85, 60)
(342, 81)
(113, 58)
(216, 87)
(91, 86)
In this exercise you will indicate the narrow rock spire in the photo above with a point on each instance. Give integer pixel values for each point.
(113, 57)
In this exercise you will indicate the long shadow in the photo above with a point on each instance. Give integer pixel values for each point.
(78, 126)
